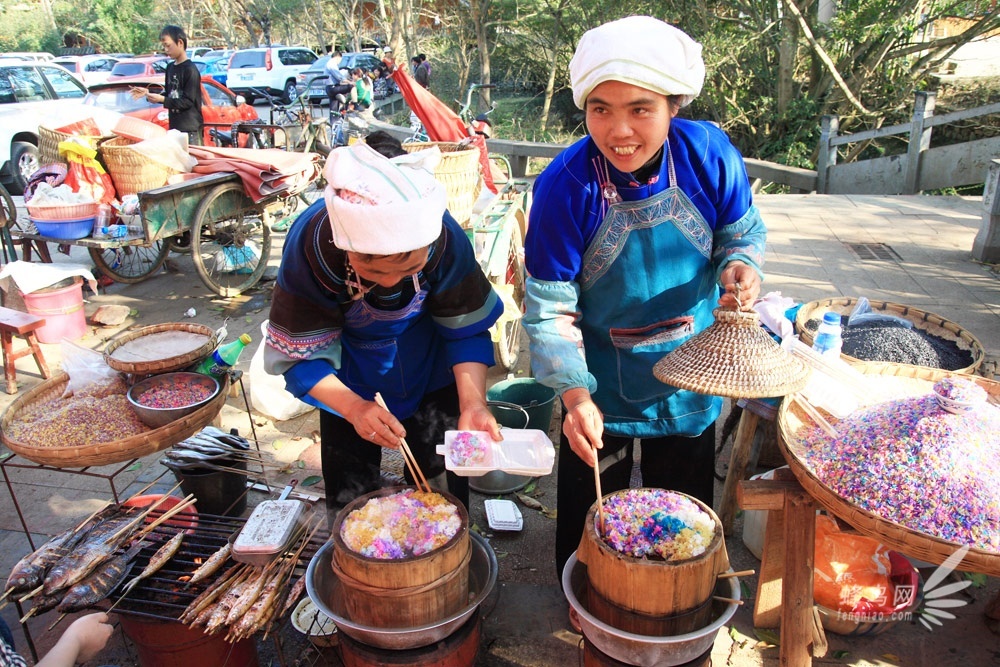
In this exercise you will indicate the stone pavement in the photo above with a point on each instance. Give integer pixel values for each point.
(810, 256)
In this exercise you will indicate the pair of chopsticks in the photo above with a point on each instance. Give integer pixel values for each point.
(815, 414)
(411, 462)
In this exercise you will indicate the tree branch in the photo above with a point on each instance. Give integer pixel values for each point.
(828, 64)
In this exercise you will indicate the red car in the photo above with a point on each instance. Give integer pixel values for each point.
(220, 107)
(139, 66)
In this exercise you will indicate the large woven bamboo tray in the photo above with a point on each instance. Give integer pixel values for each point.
(905, 540)
(159, 361)
(103, 453)
(923, 320)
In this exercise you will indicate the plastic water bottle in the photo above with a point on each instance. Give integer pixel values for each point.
(828, 340)
(223, 358)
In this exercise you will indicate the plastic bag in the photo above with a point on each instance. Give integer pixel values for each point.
(863, 314)
(85, 174)
(84, 367)
(267, 392)
(854, 573)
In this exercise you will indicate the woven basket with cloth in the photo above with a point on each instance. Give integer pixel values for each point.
(459, 171)
(132, 171)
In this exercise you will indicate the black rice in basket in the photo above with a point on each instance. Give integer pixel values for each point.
(888, 341)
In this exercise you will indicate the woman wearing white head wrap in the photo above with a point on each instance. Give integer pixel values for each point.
(379, 291)
(632, 230)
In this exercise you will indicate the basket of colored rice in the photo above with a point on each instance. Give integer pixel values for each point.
(652, 540)
(933, 342)
(922, 480)
(93, 427)
(402, 557)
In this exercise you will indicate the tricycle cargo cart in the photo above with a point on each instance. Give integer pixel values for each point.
(228, 234)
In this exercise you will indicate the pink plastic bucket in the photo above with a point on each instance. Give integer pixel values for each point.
(62, 308)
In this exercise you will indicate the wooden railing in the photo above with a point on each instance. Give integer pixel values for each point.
(920, 168)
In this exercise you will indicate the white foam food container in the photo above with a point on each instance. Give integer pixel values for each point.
(521, 452)
(268, 531)
(503, 514)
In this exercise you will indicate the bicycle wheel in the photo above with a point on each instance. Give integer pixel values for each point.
(132, 263)
(230, 244)
(508, 347)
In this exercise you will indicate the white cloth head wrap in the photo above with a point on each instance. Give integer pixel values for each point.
(639, 50)
(379, 206)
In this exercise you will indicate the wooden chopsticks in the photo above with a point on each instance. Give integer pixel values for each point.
(411, 462)
(600, 496)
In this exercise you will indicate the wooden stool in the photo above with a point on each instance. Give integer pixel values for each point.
(15, 323)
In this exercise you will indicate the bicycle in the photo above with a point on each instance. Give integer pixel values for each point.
(480, 124)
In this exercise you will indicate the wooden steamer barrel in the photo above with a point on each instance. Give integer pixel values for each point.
(648, 597)
(407, 592)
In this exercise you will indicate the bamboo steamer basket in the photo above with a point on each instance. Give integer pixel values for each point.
(791, 420)
(406, 592)
(923, 320)
(651, 597)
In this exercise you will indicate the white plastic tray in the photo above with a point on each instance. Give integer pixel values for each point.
(522, 452)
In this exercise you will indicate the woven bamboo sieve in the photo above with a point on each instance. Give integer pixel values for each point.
(734, 357)
(103, 453)
(459, 172)
(791, 420)
(131, 171)
(923, 320)
(166, 365)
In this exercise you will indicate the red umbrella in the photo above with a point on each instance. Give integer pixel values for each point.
(440, 122)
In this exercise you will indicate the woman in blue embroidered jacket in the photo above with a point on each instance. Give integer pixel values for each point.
(379, 291)
(632, 230)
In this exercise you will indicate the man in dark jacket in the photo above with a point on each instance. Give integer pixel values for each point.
(182, 92)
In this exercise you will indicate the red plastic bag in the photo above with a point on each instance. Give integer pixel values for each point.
(849, 569)
(85, 174)
(82, 128)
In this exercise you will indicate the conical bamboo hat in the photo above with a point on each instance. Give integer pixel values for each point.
(734, 357)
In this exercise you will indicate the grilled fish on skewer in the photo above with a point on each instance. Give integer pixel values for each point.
(73, 567)
(99, 584)
(212, 565)
(158, 560)
(210, 594)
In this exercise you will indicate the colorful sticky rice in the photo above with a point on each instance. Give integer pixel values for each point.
(177, 395)
(915, 464)
(468, 449)
(957, 389)
(404, 524)
(656, 524)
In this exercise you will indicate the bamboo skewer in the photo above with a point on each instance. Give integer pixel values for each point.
(741, 573)
(727, 600)
(411, 462)
(815, 415)
(600, 496)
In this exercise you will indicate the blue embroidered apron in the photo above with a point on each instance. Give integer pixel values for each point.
(397, 353)
(647, 285)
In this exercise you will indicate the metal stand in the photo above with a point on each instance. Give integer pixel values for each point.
(12, 462)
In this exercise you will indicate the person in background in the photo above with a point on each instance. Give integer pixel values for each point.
(426, 65)
(181, 95)
(632, 230)
(420, 73)
(362, 89)
(379, 290)
(336, 82)
(83, 639)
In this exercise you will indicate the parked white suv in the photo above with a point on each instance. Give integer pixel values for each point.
(274, 70)
(33, 93)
